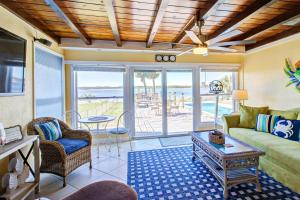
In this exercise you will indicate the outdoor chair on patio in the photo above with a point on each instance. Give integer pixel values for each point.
(63, 155)
(70, 114)
(119, 130)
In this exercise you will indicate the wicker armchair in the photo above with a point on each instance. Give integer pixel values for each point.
(54, 158)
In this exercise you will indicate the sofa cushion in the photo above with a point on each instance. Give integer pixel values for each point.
(248, 115)
(250, 136)
(72, 145)
(49, 130)
(283, 152)
(292, 115)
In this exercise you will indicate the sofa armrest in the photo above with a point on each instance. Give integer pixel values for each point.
(78, 134)
(230, 121)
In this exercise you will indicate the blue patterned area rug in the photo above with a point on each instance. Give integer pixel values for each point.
(169, 173)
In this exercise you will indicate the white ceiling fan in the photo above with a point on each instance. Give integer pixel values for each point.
(202, 45)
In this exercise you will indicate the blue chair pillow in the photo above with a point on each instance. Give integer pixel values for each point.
(72, 145)
(49, 130)
(288, 129)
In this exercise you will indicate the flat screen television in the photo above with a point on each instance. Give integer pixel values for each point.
(12, 63)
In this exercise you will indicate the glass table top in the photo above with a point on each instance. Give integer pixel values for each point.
(231, 145)
(97, 119)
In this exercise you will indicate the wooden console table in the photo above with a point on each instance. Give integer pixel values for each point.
(26, 189)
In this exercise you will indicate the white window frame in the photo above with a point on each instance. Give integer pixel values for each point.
(128, 100)
(74, 91)
(234, 86)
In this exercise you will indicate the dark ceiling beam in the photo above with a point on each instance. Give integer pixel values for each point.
(279, 20)
(242, 17)
(33, 22)
(76, 28)
(203, 14)
(273, 38)
(163, 4)
(112, 20)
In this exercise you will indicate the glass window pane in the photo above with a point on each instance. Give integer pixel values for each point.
(225, 77)
(100, 93)
(213, 106)
(148, 103)
(208, 108)
(179, 101)
(225, 105)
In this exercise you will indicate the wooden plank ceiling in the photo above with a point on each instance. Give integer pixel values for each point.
(152, 21)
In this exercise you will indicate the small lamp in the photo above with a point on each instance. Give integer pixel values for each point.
(240, 95)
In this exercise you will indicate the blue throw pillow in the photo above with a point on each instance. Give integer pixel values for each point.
(49, 130)
(289, 129)
(266, 123)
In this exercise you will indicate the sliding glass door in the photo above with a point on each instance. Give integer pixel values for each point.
(148, 103)
(162, 101)
(179, 101)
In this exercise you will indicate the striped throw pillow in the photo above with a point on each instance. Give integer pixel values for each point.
(266, 123)
(49, 130)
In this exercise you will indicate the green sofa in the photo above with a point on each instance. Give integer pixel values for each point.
(282, 158)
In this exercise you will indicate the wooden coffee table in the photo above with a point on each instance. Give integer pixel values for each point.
(233, 163)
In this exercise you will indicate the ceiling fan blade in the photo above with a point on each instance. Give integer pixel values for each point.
(224, 36)
(193, 37)
(223, 49)
(233, 43)
(184, 52)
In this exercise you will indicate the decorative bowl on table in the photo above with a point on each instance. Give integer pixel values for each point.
(216, 137)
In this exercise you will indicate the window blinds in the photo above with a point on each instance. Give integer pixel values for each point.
(49, 86)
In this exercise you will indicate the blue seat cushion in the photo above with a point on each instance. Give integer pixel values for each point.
(118, 130)
(72, 145)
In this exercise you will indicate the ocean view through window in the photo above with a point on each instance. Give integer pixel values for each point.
(100, 93)
(162, 101)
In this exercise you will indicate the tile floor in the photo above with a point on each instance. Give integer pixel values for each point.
(107, 167)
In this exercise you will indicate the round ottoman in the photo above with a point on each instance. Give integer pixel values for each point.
(104, 190)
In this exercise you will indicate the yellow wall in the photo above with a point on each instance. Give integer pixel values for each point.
(146, 57)
(265, 79)
(19, 109)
